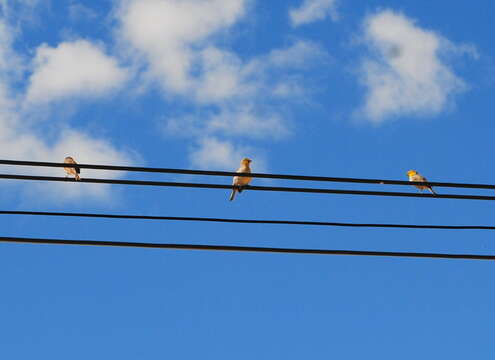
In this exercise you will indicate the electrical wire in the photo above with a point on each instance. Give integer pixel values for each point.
(254, 175)
(250, 187)
(244, 221)
(256, 249)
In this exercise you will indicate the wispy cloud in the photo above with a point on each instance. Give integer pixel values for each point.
(178, 47)
(301, 54)
(212, 152)
(313, 10)
(20, 140)
(20, 12)
(252, 113)
(234, 104)
(10, 5)
(405, 73)
(78, 11)
(246, 121)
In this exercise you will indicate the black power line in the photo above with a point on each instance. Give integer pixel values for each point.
(250, 187)
(243, 248)
(254, 175)
(245, 221)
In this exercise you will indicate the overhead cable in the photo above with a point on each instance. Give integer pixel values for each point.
(254, 175)
(250, 187)
(201, 247)
(244, 221)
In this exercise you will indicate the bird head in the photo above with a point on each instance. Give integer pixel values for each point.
(411, 172)
(246, 161)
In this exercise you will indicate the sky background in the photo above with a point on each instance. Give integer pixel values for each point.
(318, 87)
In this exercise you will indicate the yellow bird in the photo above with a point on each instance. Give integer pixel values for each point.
(241, 181)
(415, 176)
(76, 170)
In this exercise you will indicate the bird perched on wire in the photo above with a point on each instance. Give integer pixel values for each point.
(415, 176)
(241, 181)
(76, 170)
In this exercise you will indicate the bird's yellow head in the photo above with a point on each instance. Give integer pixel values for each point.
(246, 161)
(411, 172)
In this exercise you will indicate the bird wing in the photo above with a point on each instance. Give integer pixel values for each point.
(418, 177)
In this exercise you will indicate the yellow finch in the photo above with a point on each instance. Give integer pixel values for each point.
(72, 170)
(415, 176)
(241, 181)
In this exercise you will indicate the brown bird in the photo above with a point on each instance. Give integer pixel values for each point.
(76, 170)
(415, 176)
(241, 181)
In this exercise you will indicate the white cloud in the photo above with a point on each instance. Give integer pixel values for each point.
(247, 121)
(170, 34)
(213, 153)
(241, 121)
(78, 68)
(301, 54)
(313, 10)
(223, 76)
(406, 74)
(22, 143)
(19, 140)
(263, 77)
(176, 44)
(11, 63)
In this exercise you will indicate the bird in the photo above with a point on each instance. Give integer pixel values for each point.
(76, 170)
(241, 181)
(415, 176)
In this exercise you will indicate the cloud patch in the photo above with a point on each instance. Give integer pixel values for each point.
(313, 10)
(79, 12)
(78, 68)
(405, 73)
(245, 121)
(20, 140)
(177, 45)
(26, 144)
(171, 36)
(212, 152)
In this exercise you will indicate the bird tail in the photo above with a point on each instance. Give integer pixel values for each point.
(232, 195)
(78, 177)
(431, 190)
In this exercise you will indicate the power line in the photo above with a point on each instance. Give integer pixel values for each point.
(245, 221)
(201, 247)
(250, 187)
(254, 175)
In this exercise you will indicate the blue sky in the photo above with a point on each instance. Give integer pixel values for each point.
(320, 87)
